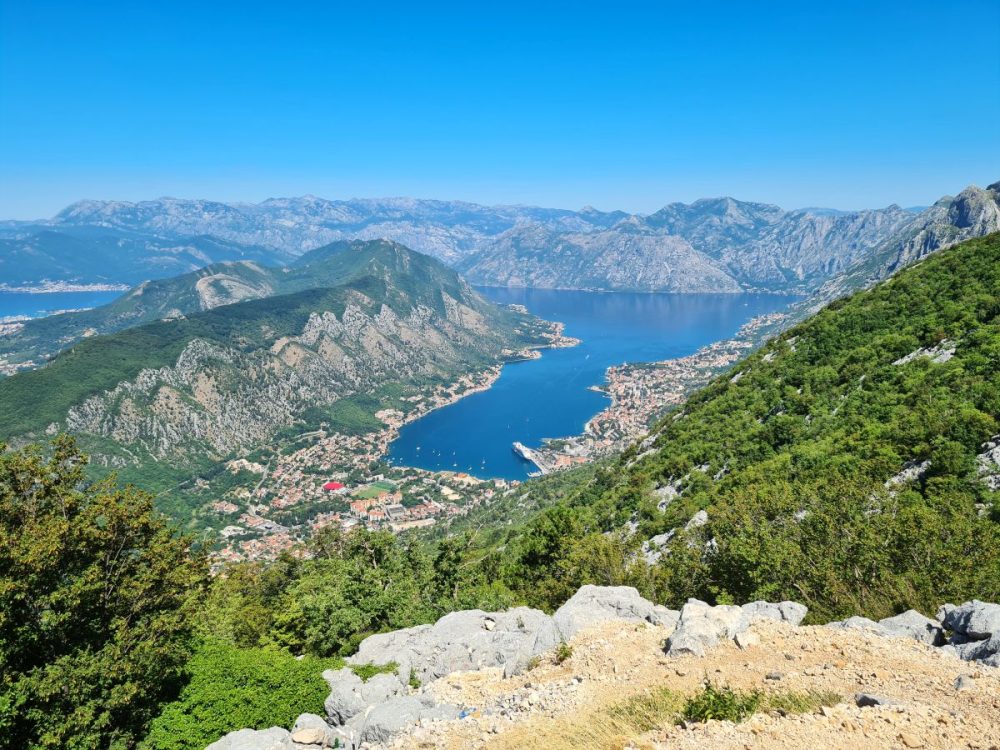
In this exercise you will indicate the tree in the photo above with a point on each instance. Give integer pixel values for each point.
(95, 597)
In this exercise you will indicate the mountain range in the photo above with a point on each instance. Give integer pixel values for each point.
(184, 372)
(711, 245)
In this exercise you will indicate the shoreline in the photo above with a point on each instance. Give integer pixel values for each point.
(558, 340)
(635, 291)
(59, 288)
(641, 392)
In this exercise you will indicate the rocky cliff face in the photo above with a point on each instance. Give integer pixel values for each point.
(716, 245)
(974, 212)
(218, 399)
(624, 257)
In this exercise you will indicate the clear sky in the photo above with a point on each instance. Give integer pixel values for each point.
(618, 105)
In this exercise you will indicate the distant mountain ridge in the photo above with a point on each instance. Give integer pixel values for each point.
(710, 245)
(447, 230)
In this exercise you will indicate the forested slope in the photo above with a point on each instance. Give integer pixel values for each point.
(810, 459)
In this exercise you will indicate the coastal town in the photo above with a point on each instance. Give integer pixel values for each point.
(641, 392)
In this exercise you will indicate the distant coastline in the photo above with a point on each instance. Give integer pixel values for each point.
(53, 287)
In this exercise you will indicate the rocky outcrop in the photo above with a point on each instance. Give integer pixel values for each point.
(593, 604)
(975, 630)
(274, 738)
(350, 695)
(378, 711)
(974, 627)
(374, 710)
(460, 641)
(383, 721)
(988, 463)
(909, 624)
(701, 625)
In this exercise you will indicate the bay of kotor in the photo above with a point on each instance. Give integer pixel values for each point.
(552, 396)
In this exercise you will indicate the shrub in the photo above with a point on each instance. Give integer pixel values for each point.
(232, 688)
(563, 652)
(721, 703)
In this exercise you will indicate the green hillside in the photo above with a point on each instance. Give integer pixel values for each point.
(790, 453)
(34, 399)
(404, 272)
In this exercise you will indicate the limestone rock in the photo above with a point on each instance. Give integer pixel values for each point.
(912, 624)
(274, 738)
(976, 620)
(594, 604)
(350, 695)
(790, 612)
(701, 626)
(858, 623)
(462, 641)
(382, 722)
(310, 729)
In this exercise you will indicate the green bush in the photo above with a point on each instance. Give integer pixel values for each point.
(96, 602)
(721, 703)
(231, 688)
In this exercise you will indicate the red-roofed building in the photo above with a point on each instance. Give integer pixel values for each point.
(336, 487)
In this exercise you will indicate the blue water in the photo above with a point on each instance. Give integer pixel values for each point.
(549, 397)
(37, 305)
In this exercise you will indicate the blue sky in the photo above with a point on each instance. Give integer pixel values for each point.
(618, 105)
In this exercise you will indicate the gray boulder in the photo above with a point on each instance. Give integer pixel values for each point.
(909, 624)
(274, 738)
(593, 604)
(986, 650)
(379, 724)
(350, 695)
(912, 624)
(859, 623)
(701, 625)
(466, 640)
(976, 620)
(790, 612)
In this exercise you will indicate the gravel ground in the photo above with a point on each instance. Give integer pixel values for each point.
(549, 706)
